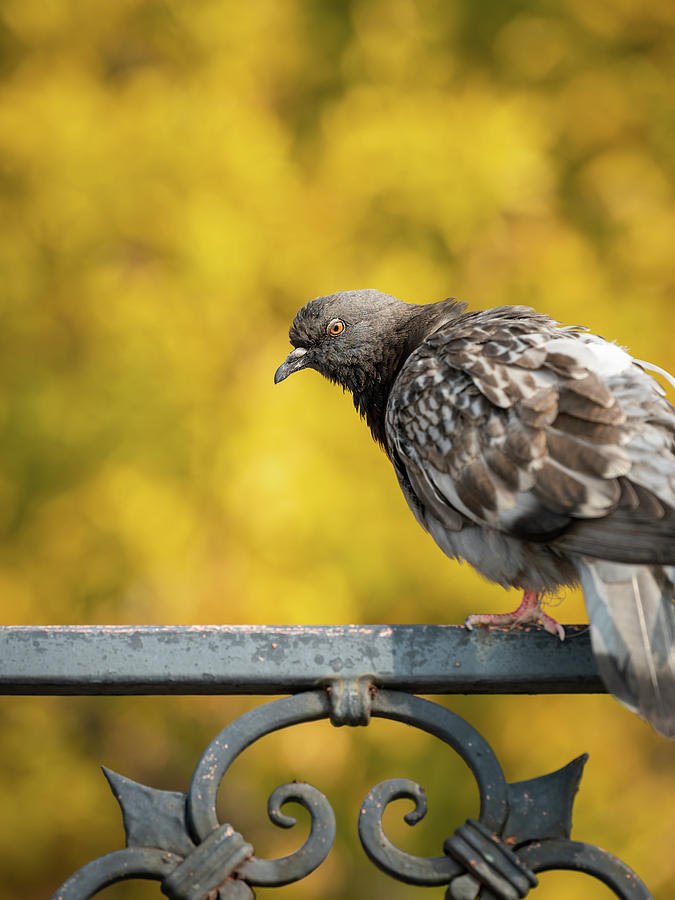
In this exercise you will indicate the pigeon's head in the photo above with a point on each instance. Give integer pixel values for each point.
(360, 340)
(347, 337)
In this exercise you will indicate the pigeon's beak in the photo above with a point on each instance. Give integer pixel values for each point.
(293, 363)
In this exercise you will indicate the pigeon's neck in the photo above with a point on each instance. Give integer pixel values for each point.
(370, 399)
(371, 388)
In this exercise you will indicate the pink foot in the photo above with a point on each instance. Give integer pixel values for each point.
(528, 613)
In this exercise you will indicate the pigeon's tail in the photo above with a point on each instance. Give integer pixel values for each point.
(631, 609)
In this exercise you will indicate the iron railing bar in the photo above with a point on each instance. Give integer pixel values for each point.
(242, 659)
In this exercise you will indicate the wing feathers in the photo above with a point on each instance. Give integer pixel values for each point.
(592, 388)
(603, 461)
(593, 432)
(476, 489)
(581, 407)
(528, 450)
(571, 491)
(521, 419)
(504, 467)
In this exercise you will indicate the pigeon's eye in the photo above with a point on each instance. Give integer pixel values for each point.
(336, 326)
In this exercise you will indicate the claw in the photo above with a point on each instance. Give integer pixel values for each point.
(528, 613)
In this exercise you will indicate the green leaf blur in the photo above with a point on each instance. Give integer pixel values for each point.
(176, 179)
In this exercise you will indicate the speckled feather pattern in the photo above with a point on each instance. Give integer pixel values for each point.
(499, 423)
(541, 455)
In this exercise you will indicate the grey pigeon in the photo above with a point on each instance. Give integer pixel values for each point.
(542, 455)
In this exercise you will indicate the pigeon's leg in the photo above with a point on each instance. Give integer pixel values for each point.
(528, 613)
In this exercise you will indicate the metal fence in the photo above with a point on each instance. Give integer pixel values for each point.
(347, 675)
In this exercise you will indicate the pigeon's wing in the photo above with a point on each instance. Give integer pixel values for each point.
(554, 436)
(540, 432)
(641, 529)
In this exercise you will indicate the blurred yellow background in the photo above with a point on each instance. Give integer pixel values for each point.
(176, 179)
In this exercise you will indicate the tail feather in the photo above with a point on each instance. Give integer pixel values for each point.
(631, 609)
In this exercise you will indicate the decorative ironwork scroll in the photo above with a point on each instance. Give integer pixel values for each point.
(521, 829)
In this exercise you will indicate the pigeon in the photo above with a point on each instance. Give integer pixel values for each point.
(542, 455)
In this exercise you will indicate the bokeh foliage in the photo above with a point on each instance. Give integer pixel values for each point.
(175, 180)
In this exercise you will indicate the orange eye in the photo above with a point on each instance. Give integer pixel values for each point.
(337, 326)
